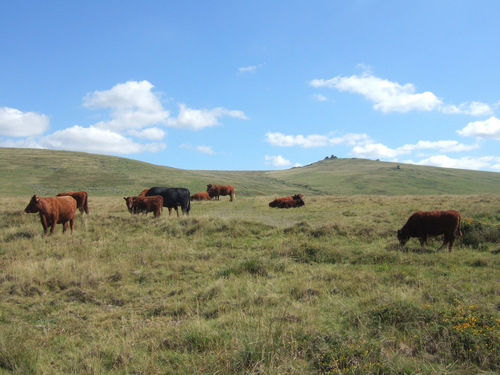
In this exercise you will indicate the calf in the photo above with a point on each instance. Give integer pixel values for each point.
(203, 196)
(53, 210)
(431, 223)
(277, 201)
(145, 205)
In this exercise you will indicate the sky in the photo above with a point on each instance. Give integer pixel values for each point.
(254, 85)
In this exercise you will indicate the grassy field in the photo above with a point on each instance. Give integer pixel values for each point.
(243, 288)
(25, 172)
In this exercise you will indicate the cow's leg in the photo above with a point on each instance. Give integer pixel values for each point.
(72, 225)
(65, 226)
(169, 211)
(177, 210)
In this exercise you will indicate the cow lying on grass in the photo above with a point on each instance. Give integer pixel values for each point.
(287, 202)
(145, 205)
(53, 210)
(423, 224)
(203, 196)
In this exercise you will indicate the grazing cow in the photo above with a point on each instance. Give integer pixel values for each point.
(201, 197)
(172, 198)
(143, 193)
(277, 201)
(54, 210)
(289, 203)
(139, 204)
(216, 190)
(81, 197)
(431, 223)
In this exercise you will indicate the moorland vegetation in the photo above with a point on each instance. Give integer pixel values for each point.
(239, 287)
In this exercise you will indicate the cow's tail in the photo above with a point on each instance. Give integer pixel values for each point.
(86, 203)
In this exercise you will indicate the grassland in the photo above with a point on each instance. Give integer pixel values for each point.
(47, 172)
(241, 288)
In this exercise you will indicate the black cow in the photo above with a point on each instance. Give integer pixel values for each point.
(172, 198)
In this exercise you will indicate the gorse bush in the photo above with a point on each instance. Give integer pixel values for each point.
(478, 235)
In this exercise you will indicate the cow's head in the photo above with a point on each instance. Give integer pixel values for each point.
(130, 202)
(300, 202)
(33, 206)
(402, 237)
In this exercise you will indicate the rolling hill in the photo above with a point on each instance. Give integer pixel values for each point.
(47, 172)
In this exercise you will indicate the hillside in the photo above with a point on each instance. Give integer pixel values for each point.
(46, 172)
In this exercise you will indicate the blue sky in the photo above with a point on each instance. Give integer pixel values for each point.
(254, 85)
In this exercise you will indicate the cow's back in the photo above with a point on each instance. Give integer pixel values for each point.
(172, 197)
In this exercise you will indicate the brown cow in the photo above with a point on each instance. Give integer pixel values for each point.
(289, 203)
(143, 193)
(277, 201)
(138, 204)
(431, 223)
(216, 190)
(54, 210)
(81, 197)
(203, 196)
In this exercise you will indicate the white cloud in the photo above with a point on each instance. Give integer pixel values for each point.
(154, 134)
(93, 139)
(487, 129)
(473, 109)
(391, 96)
(461, 163)
(378, 150)
(250, 69)
(279, 139)
(388, 96)
(319, 98)
(133, 106)
(206, 150)
(197, 119)
(277, 161)
(14, 123)
(315, 140)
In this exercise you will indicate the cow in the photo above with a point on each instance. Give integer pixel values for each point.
(172, 198)
(143, 193)
(140, 204)
(216, 190)
(289, 203)
(53, 210)
(431, 223)
(277, 201)
(203, 196)
(81, 197)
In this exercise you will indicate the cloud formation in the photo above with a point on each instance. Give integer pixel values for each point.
(133, 113)
(487, 129)
(196, 119)
(14, 123)
(277, 161)
(314, 140)
(95, 139)
(389, 96)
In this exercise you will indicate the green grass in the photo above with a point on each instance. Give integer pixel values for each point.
(25, 172)
(243, 288)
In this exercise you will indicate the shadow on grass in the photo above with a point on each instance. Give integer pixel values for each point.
(18, 236)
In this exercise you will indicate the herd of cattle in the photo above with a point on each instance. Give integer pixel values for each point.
(61, 209)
